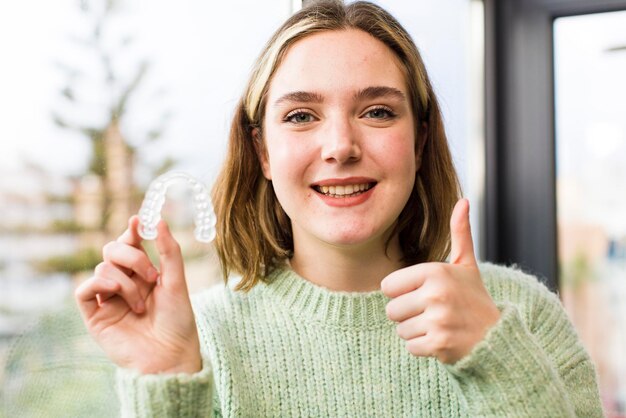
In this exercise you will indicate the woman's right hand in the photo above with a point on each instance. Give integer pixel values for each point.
(140, 321)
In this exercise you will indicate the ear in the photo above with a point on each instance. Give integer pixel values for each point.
(420, 142)
(261, 153)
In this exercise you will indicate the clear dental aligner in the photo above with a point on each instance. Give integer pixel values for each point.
(150, 212)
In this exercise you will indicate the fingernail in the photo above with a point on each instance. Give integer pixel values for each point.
(153, 274)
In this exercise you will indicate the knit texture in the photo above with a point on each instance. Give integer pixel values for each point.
(291, 348)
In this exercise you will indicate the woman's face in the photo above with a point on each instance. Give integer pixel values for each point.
(340, 140)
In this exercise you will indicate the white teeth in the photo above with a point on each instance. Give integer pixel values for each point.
(344, 190)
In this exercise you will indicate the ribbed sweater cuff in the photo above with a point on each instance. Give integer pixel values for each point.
(508, 373)
(165, 395)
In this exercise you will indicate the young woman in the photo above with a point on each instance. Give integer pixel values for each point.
(336, 205)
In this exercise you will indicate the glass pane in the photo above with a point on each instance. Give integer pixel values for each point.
(590, 63)
(97, 98)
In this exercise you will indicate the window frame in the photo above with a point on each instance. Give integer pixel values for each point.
(520, 200)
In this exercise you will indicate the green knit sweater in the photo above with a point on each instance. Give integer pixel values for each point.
(293, 349)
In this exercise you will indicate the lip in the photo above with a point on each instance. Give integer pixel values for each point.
(343, 202)
(344, 181)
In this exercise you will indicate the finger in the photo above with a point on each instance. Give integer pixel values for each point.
(131, 235)
(86, 294)
(131, 259)
(405, 306)
(128, 288)
(411, 328)
(403, 281)
(462, 251)
(420, 346)
(170, 257)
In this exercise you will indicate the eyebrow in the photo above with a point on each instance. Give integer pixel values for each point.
(367, 93)
(379, 91)
(299, 97)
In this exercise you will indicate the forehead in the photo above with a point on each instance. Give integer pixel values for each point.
(335, 62)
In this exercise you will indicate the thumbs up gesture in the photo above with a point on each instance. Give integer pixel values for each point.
(142, 319)
(442, 309)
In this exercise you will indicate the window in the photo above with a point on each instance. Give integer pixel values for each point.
(590, 92)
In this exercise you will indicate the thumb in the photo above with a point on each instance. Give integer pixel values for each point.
(170, 258)
(462, 251)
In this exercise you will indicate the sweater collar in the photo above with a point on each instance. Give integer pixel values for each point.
(311, 302)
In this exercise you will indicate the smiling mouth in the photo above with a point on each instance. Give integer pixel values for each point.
(343, 191)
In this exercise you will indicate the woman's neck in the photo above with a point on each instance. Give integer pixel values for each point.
(351, 269)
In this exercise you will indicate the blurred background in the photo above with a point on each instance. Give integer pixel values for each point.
(98, 97)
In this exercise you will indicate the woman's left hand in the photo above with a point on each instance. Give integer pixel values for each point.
(443, 309)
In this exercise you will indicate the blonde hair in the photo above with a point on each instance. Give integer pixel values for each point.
(253, 231)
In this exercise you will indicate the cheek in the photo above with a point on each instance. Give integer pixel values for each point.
(289, 157)
(397, 153)
(285, 163)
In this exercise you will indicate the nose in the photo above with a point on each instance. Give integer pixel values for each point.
(341, 142)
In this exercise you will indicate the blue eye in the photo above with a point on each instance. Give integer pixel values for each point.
(380, 113)
(299, 117)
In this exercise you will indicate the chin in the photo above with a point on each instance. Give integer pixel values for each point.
(352, 238)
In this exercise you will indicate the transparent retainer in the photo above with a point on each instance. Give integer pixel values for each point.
(150, 212)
